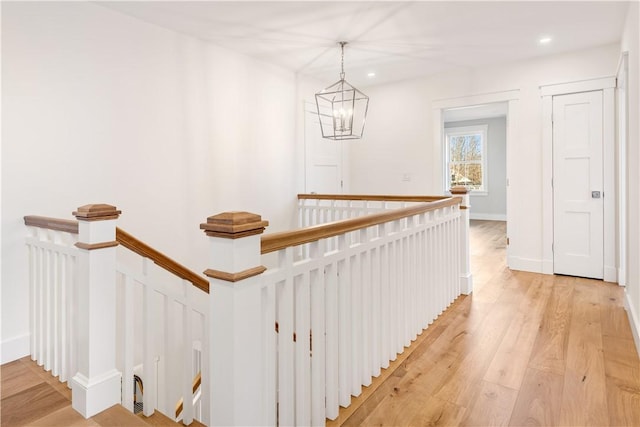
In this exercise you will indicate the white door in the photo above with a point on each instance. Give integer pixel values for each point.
(578, 222)
(323, 157)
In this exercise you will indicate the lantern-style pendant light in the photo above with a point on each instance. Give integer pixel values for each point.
(342, 109)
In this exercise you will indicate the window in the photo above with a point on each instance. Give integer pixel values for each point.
(466, 157)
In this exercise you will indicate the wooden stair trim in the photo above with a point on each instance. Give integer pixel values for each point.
(197, 381)
(371, 197)
(65, 225)
(278, 241)
(138, 246)
(128, 241)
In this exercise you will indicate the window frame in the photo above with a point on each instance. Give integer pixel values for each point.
(457, 131)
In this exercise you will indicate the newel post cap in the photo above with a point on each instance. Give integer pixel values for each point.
(97, 212)
(459, 189)
(234, 225)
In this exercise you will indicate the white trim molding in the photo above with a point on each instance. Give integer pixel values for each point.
(479, 99)
(622, 98)
(589, 85)
(487, 216)
(607, 86)
(524, 264)
(15, 348)
(634, 319)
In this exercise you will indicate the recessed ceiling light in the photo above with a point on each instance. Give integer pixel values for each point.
(371, 74)
(544, 40)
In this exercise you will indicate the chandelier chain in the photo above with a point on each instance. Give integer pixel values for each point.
(342, 61)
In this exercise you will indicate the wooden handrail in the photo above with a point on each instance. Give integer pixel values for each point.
(277, 241)
(144, 250)
(66, 225)
(197, 381)
(129, 242)
(370, 197)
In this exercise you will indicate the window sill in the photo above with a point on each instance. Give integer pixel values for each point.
(478, 193)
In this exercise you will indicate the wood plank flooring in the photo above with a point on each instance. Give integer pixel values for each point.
(524, 350)
(32, 397)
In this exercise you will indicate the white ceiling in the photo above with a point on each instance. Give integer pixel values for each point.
(395, 39)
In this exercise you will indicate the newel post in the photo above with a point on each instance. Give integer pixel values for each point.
(96, 385)
(235, 325)
(466, 279)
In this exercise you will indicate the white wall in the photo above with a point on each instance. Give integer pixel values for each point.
(399, 136)
(492, 205)
(630, 43)
(101, 107)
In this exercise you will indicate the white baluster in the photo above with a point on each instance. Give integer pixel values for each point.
(149, 359)
(375, 314)
(355, 278)
(270, 362)
(317, 338)
(344, 328)
(187, 356)
(366, 290)
(128, 342)
(385, 319)
(332, 343)
(302, 349)
(286, 353)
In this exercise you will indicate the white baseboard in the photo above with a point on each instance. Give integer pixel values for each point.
(15, 348)
(90, 396)
(487, 216)
(634, 319)
(466, 284)
(525, 264)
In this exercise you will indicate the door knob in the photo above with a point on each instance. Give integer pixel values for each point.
(595, 194)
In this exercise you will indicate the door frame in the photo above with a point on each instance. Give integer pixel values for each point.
(547, 92)
(622, 99)
(512, 98)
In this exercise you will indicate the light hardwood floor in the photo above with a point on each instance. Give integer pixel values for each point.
(32, 397)
(524, 350)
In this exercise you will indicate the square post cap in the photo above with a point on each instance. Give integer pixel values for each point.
(459, 190)
(97, 212)
(234, 225)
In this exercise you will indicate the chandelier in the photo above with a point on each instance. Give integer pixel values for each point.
(342, 109)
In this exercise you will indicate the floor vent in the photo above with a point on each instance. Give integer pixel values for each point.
(137, 407)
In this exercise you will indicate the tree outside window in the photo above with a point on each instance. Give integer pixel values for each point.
(466, 157)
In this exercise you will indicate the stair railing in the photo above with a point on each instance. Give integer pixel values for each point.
(102, 319)
(172, 326)
(296, 342)
(292, 343)
(53, 282)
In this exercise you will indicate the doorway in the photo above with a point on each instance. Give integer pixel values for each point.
(575, 241)
(475, 155)
(446, 110)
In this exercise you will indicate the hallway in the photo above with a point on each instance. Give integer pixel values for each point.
(524, 349)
